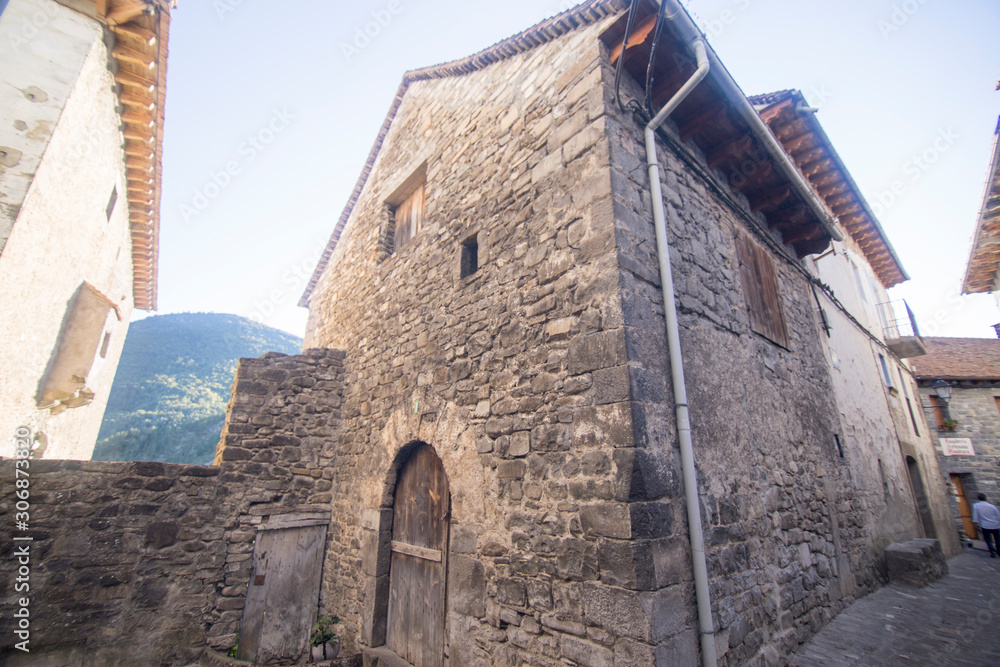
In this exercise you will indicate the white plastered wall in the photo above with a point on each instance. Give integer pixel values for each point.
(62, 235)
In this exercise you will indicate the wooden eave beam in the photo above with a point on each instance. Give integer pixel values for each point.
(833, 189)
(699, 120)
(728, 151)
(769, 198)
(739, 181)
(125, 12)
(797, 143)
(640, 33)
(137, 31)
(808, 160)
(137, 101)
(837, 201)
(805, 232)
(796, 214)
(825, 179)
(134, 80)
(139, 151)
(131, 55)
(138, 119)
(806, 248)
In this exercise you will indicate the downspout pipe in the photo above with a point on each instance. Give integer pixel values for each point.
(690, 475)
(689, 33)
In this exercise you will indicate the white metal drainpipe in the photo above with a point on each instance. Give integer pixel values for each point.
(707, 626)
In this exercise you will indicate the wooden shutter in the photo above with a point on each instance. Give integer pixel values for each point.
(409, 217)
(938, 409)
(760, 289)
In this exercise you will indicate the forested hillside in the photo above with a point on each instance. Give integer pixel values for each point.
(168, 401)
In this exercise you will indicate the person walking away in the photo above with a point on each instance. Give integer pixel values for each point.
(986, 516)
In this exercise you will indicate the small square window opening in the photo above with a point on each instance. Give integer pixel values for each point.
(470, 256)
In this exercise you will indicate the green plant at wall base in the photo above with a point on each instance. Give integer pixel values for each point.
(948, 424)
(322, 630)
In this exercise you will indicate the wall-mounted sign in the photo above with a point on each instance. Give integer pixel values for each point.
(957, 446)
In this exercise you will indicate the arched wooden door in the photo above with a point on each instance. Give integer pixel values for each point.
(421, 509)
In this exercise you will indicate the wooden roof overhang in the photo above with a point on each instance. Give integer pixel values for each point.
(708, 119)
(803, 138)
(139, 54)
(984, 257)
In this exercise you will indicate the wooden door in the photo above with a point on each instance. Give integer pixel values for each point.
(416, 616)
(964, 509)
(283, 594)
(923, 508)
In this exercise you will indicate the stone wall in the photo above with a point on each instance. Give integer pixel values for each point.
(127, 558)
(275, 454)
(517, 375)
(976, 410)
(775, 499)
(150, 562)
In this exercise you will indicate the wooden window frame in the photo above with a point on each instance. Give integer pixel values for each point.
(761, 290)
(940, 413)
(407, 201)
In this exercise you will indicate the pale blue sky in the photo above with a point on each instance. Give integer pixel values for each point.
(272, 109)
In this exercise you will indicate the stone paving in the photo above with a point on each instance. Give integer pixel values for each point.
(953, 622)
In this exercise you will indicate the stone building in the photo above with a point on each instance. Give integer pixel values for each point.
(80, 138)
(490, 452)
(960, 393)
(495, 285)
(868, 340)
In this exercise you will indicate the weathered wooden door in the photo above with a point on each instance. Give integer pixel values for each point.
(415, 626)
(964, 509)
(923, 507)
(284, 591)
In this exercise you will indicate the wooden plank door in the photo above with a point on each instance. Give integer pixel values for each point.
(283, 594)
(416, 615)
(964, 509)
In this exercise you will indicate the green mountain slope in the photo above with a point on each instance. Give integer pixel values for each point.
(168, 401)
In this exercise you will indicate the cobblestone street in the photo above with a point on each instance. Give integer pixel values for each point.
(953, 622)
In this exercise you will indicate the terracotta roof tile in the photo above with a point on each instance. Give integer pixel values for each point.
(959, 358)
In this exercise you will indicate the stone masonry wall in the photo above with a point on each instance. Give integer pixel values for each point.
(125, 563)
(977, 412)
(150, 562)
(516, 375)
(786, 541)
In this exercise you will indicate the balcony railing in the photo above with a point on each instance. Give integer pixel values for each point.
(899, 329)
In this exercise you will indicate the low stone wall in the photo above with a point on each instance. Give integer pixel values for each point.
(125, 557)
(149, 562)
(916, 562)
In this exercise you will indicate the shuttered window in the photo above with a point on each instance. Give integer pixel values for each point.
(939, 411)
(760, 289)
(409, 217)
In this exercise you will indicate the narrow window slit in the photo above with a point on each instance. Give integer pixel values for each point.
(470, 256)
